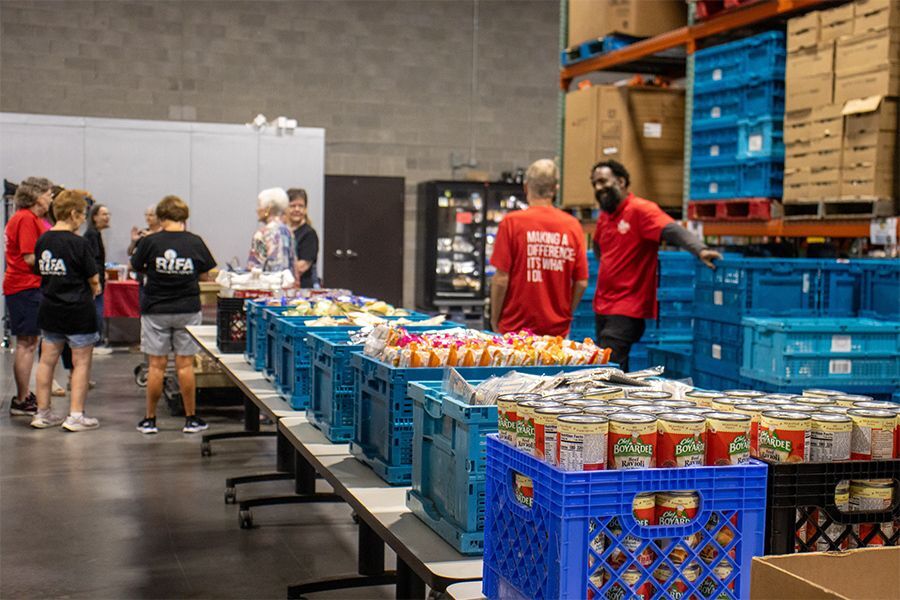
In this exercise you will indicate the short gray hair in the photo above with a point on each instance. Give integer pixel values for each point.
(275, 200)
(542, 178)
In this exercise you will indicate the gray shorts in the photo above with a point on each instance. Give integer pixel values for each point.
(162, 335)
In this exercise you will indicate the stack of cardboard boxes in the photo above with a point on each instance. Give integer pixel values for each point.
(591, 19)
(840, 128)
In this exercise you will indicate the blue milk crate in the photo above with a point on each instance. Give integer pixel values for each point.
(880, 288)
(552, 534)
(717, 348)
(839, 289)
(253, 310)
(674, 320)
(761, 137)
(876, 392)
(449, 441)
(761, 178)
(582, 322)
(723, 108)
(715, 381)
(758, 57)
(821, 352)
(763, 287)
(637, 357)
(716, 181)
(383, 413)
(675, 358)
(712, 144)
(268, 332)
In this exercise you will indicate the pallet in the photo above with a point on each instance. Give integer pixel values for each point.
(595, 47)
(839, 208)
(738, 209)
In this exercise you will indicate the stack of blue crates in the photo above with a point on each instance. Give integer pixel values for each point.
(583, 319)
(738, 116)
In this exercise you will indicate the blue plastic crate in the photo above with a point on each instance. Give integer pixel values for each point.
(676, 358)
(448, 462)
(839, 289)
(877, 392)
(267, 333)
(723, 108)
(821, 351)
(880, 288)
(383, 413)
(761, 137)
(676, 295)
(555, 543)
(252, 310)
(715, 181)
(761, 178)
(721, 356)
(712, 144)
(583, 322)
(733, 64)
(715, 381)
(637, 357)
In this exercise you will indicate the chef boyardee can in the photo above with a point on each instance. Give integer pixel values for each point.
(507, 415)
(525, 422)
(676, 588)
(681, 440)
(582, 403)
(755, 410)
(631, 591)
(702, 397)
(788, 397)
(829, 438)
(873, 434)
(868, 496)
(602, 409)
(822, 393)
(833, 410)
(561, 397)
(727, 404)
(677, 405)
(603, 393)
(833, 530)
(784, 436)
(849, 400)
(676, 508)
(745, 394)
(727, 439)
(814, 402)
(650, 409)
(643, 507)
(721, 572)
(581, 442)
(696, 410)
(651, 395)
(545, 430)
(628, 402)
(632, 441)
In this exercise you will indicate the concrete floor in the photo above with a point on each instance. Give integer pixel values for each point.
(112, 513)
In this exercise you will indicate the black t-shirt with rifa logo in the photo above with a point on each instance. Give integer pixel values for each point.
(65, 263)
(172, 262)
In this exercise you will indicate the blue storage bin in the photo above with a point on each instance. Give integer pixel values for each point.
(270, 322)
(710, 145)
(449, 440)
(677, 295)
(637, 357)
(675, 358)
(713, 182)
(252, 310)
(720, 357)
(820, 352)
(761, 137)
(734, 63)
(715, 381)
(723, 108)
(877, 392)
(761, 178)
(838, 289)
(880, 288)
(583, 322)
(382, 422)
(555, 542)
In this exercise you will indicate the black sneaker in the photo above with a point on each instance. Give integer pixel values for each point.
(148, 425)
(27, 407)
(194, 424)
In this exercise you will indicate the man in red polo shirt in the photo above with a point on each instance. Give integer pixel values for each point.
(626, 241)
(540, 259)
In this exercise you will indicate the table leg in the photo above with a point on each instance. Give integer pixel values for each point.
(251, 429)
(409, 585)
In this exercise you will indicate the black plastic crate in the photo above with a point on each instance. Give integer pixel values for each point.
(231, 325)
(798, 493)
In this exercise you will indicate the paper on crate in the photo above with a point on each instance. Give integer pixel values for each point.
(860, 574)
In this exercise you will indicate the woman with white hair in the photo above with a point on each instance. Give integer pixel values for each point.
(272, 246)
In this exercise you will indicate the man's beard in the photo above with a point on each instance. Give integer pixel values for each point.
(609, 199)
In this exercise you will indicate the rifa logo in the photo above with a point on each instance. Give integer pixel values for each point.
(172, 264)
(54, 267)
(623, 227)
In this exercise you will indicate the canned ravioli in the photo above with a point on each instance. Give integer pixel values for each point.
(632, 441)
(784, 436)
(681, 440)
(727, 439)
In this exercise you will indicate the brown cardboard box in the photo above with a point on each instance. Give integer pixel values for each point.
(865, 116)
(826, 128)
(830, 159)
(816, 60)
(643, 128)
(872, 15)
(836, 22)
(796, 126)
(868, 181)
(590, 19)
(860, 52)
(880, 81)
(825, 183)
(809, 92)
(862, 574)
(803, 31)
(883, 151)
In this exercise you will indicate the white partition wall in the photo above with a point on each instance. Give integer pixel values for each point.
(128, 165)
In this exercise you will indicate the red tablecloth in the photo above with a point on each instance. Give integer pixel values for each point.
(120, 299)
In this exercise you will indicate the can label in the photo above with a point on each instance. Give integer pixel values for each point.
(523, 489)
(507, 415)
(831, 531)
(681, 443)
(830, 440)
(784, 440)
(632, 445)
(644, 510)
(545, 434)
(581, 446)
(872, 437)
(866, 496)
(630, 578)
(676, 509)
(727, 441)
(677, 588)
(721, 572)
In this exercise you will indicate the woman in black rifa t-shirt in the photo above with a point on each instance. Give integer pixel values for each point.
(69, 284)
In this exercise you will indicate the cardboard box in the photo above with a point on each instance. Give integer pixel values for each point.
(643, 128)
(882, 152)
(830, 159)
(868, 181)
(803, 31)
(825, 183)
(836, 22)
(866, 116)
(826, 128)
(816, 60)
(862, 574)
(860, 52)
(809, 92)
(880, 81)
(589, 19)
(873, 15)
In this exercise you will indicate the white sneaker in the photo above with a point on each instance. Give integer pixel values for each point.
(81, 423)
(102, 350)
(43, 421)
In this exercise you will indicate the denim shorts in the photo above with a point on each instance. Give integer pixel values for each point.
(166, 334)
(75, 340)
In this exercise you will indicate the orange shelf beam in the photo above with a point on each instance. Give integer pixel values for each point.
(686, 36)
(780, 228)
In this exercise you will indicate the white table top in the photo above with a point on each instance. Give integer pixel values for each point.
(469, 590)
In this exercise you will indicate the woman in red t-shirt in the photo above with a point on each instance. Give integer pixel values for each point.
(21, 287)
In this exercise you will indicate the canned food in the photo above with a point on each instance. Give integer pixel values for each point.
(650, 409)
(878, 405)
(794, 407)
(632, 591)
(583, 403)
(833, 410)
(628, 402)
(581, 442)
(727, 439)
(676, 508)
(870, 496)
(507, 415)
(723, 537)
(726, 404)
(775, 401)
(788, 397)
(523, 489)
(873, 434)
(677, 588)
(702, 397)
(755, 410)
(814, 401)
(784, 436)
(644, 510)
(829, 438)
(850, 399)
(833, 530)
(721, 572)
(676, 404)
(545, 430)
(525, 422)
(602, 409)
(696, 410)
(651, 395)
(681, 440)
(822, 393)
(561, 397)
(746, 394)
(603, 393)
(632, 441)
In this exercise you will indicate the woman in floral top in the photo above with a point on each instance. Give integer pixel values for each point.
(272, 246)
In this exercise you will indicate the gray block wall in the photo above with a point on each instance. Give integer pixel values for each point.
(391, 81)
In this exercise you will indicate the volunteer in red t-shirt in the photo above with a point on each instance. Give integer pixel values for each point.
(626, 241)
(540, 259)
(21, 287)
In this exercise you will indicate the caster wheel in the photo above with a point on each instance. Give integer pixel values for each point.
(245, 519)
(355, 518)
(140, 377)
(205, 450)
(230, 495)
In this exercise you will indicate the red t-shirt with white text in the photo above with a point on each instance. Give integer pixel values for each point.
(543, 250)
(629, 247)
(22, 233)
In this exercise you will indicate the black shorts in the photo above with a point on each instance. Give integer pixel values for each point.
(23, 312)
